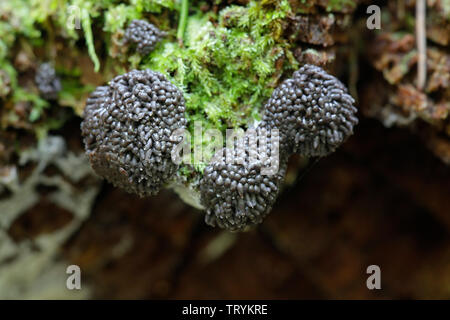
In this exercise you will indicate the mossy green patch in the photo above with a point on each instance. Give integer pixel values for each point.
(226, 61)
(339, 5)
(228, 64)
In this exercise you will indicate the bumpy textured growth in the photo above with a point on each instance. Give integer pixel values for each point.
(313, 111)
(127, 128)
(47, 81)
(144, 35)
(314, 115)
(239, 194)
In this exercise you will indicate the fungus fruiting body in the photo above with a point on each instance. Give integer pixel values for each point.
(47, 81)
(313, 112)
(143, 35)
(241, 192)
(314, 115)
(127, 130)
(129, 123)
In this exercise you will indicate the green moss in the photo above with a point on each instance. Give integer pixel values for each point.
(37, 103)
(39, 26)
(339, 5)
(227, 63)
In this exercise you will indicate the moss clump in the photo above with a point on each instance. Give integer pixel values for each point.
(227, 64)
(339, 5)
(63, 32)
